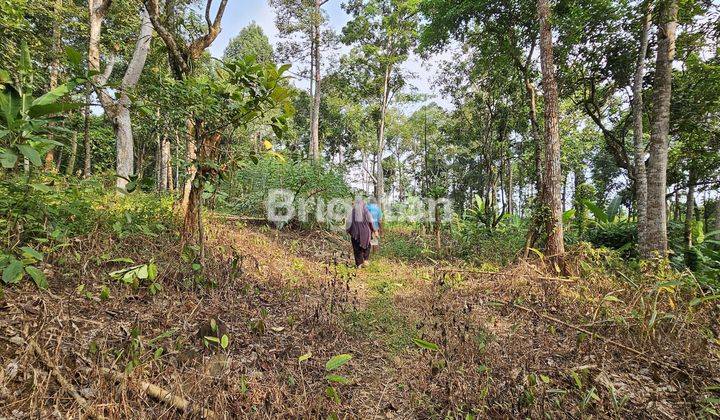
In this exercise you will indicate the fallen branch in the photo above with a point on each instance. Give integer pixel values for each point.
(162, 395)
(62, 381)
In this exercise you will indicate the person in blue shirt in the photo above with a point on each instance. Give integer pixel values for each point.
(377, 216)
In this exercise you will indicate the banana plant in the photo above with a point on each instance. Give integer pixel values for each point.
(605, 216)
(25, 121)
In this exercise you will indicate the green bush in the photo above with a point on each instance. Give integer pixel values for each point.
(619, 235)
(43, 213)
(246, 191)
(477, 242)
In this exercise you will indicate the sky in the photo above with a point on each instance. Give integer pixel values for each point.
(239, 13)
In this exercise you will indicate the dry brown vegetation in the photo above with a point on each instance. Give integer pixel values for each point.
(511, 344)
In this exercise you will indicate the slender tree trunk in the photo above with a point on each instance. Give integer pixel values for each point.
(190, 159)
(162, 163)
(123, 146)
(177, 162)
(87, 143)
(55, 69)
(315, 122)
(639, 144)
(379, 174)
(535, 130)
(97, 10)
(553, 174)
(437, 226)
(168, 166)
(716, 225)
(70, 168)
(510, 188)
(564, 192)
(119, 111)
(656, 239)
(166, 152)
(690, 209)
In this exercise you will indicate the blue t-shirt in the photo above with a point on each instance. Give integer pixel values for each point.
(376, 214)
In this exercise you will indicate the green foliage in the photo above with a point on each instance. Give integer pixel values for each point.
(334, 363)
(248, 188)
(137, 274)
(39, 217)
(608, 229)
(481, 244)
(620, 236)
(403, 245)
(23, 264)
(25, 119)
(605, 216)
(583, 193)
(251, 41)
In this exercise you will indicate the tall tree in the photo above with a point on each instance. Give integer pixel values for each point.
(637, 111)
(384, 32)
(251, 40)
(181, 55)
(499, 31)
(302, 25)
(97, 9)
(656, 233)
(551, 196)
(118, 110)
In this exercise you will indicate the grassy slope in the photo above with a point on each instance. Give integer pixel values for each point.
(283, 295)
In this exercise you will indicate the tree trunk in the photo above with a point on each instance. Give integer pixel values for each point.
(96, 10)
(379, 174)
(315, 122)
(164, 173)
(716, 225)
(209, 151)
(437, 227)
(87, 143)
(190, 159)
(168, 166)
(55, 69)
(70, 168)
(535, 130)
(119, 111)
(552, 173)
(656, 239)
(690, 209)
(123, 146)
(639, 146)
(510, 188)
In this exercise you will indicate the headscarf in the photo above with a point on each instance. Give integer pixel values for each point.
(358, 223)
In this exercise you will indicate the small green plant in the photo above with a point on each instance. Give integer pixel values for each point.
(136, 274)
(16, 267)
(333, 364)
(216, 339)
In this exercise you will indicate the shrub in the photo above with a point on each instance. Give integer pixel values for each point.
(40, 214)
(479, 243)
(620, 235)
(248, 189)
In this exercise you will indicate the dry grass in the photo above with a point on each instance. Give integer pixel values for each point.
(282, 295)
